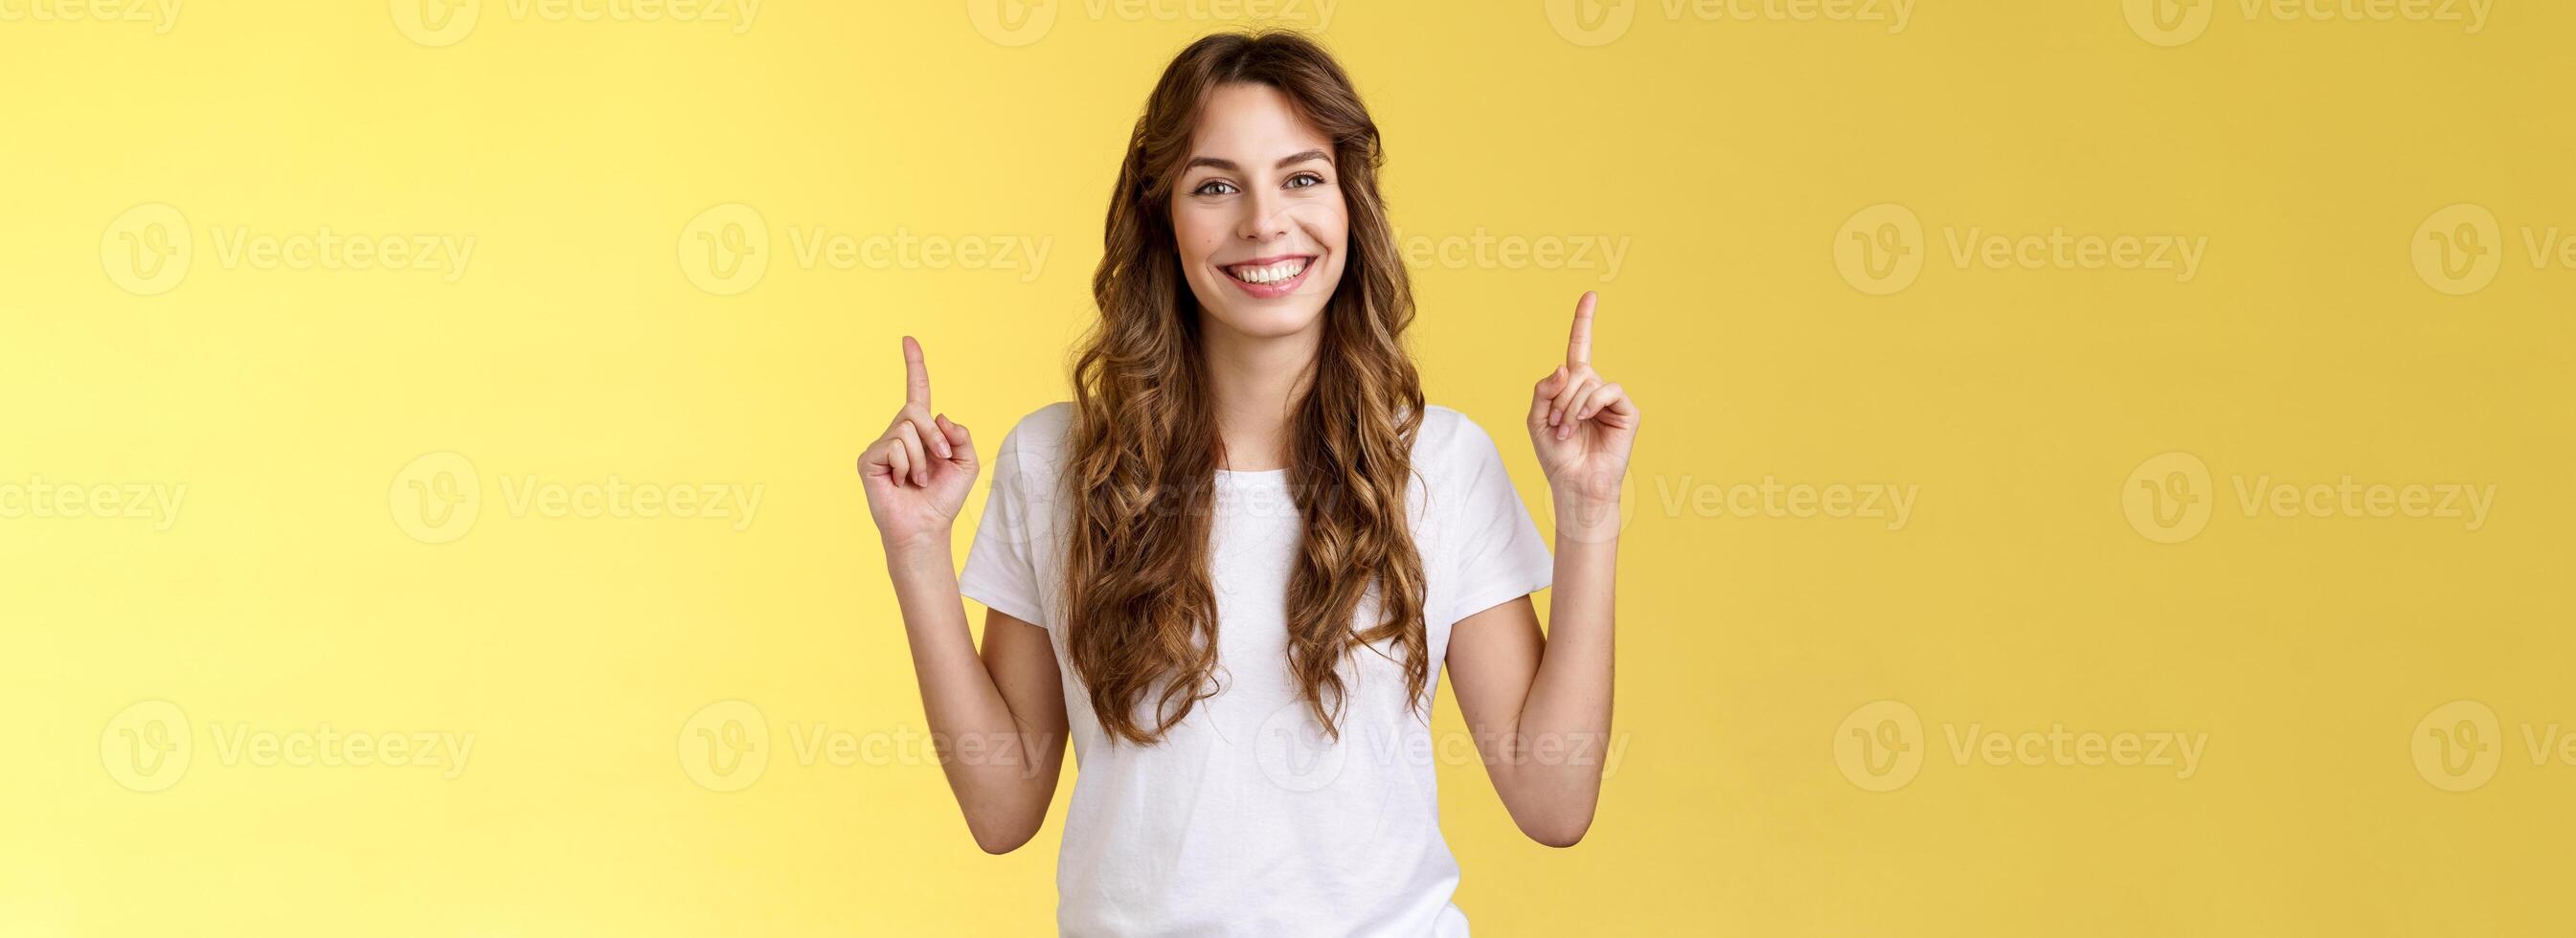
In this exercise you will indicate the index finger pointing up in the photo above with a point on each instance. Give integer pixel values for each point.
(1578, 346)
(916, 374)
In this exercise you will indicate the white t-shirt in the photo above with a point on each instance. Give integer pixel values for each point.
(1246, 819)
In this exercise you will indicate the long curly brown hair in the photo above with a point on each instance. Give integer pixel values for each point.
(1145, 450)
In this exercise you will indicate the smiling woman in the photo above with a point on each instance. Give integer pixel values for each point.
(1248, 689)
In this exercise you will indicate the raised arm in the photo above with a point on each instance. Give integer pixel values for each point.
(1539, 705)
(996, 717)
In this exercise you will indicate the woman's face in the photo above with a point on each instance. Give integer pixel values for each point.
(1259, 214)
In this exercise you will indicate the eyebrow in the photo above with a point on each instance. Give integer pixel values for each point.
(1229, 166)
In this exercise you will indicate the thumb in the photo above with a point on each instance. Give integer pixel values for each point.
(960, 442)
(1544, 395)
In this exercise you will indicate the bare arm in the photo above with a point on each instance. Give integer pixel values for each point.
(1539, 705)
(996, 717)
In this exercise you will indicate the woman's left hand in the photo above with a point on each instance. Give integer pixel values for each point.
(1581, 423)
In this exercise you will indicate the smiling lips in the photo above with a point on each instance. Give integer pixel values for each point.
(1267, 277)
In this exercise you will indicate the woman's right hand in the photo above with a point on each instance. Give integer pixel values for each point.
(917, 474)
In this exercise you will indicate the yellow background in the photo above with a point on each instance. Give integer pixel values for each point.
(290, 591)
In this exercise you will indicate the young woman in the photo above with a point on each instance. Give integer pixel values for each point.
(1233, 566)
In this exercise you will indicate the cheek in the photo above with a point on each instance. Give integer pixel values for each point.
(1328, 221)
(1329, 226)
(1198, 236)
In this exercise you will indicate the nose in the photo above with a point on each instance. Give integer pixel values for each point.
(1264, 217)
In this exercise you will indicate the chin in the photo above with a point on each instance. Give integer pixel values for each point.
(1272, 320)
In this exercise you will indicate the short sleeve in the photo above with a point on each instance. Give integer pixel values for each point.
(1001, 567)
(1496, 553)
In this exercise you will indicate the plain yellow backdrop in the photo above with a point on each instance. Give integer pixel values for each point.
(426, 503)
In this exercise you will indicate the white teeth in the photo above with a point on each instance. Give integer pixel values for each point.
(1270, 274)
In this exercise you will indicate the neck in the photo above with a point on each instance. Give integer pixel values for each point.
(1255, 382)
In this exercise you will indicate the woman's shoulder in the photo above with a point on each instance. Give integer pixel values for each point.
(1040, 437)
(1450, 437)
(1051, 420)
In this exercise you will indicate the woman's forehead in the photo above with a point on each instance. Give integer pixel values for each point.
(1254, 122)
